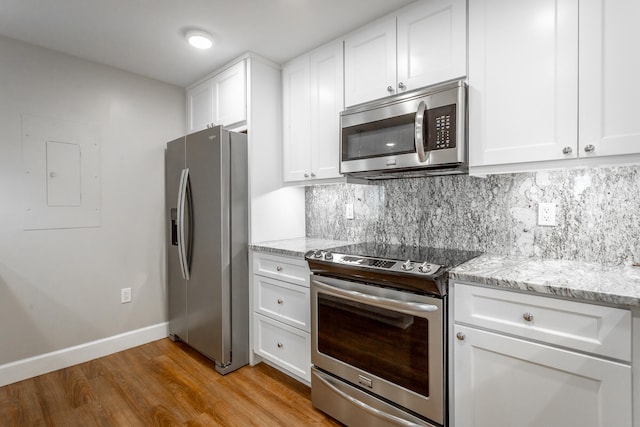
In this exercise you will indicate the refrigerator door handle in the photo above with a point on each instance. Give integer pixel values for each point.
(182, 198)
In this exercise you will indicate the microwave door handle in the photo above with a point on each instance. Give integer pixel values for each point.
(420, 132)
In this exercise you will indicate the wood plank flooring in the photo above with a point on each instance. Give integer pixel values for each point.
(159, 384)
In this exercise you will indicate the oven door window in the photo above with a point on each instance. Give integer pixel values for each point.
(380, 138)
(391, 345)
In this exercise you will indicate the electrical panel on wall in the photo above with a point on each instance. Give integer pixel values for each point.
(61, 162)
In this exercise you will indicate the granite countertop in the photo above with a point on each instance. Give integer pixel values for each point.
(296, 247)
(619, 285)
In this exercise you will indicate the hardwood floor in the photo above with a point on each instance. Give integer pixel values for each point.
(159, 384)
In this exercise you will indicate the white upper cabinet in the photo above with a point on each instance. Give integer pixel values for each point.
(523, 80)
(549, 80)
(296, 117)
(609, 69)
(370, 62)
(312, 101)
(430, 37)
(220, 100)
(327, 91)
(432, 43)
(199, 107)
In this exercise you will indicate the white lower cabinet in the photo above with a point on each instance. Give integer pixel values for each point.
(281, 330)
(508, 379)
(285, 346)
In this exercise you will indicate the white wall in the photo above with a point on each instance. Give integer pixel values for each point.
(60, 288)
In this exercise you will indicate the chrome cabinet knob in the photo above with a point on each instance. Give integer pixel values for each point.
(460, 336)
(589, 148)
(390, 89)
(567, 150)
(313, 175)
(280, 301)
(402, 86)
(306, 175)
(278, 268)
(280, 345)
(528, 317)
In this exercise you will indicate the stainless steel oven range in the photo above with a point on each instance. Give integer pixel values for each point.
(378, 319)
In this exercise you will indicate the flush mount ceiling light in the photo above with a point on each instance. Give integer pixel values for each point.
(199, 39)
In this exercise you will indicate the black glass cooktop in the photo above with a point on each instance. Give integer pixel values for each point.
(448, 258)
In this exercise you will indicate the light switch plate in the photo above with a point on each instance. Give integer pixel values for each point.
(349, 211)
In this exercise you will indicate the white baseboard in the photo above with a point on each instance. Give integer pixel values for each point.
(48, 362)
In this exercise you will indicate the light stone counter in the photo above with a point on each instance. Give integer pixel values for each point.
(296, 247)
(618, 285)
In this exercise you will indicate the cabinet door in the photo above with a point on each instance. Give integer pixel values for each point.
(504, 381)
(370, 63)
(523, 73)
(432, 43)
(199, 107)
(326, 76)
(295, 110)
(609, 68)
(230, 96)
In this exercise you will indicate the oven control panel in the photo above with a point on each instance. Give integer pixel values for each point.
(407, 267)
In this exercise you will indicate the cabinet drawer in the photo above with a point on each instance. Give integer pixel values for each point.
(287, 347)
(580, 326)
(282, 301)
(293, 270)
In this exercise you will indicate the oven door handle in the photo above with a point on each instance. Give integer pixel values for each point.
(408, 307)
(329, 382)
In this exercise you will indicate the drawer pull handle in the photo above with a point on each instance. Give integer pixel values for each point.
(460, 336)
(278, 268)
(280, 301)
(280, 345)
(528, 317)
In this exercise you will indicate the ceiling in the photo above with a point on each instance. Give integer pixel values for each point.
(147, 36)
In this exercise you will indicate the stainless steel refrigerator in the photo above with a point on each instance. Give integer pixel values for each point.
(207, 219)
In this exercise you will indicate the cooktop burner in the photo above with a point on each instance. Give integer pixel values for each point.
(415, 268)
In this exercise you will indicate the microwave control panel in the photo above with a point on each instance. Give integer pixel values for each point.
(441, 128)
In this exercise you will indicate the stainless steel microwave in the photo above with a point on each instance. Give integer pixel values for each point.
(417, 133)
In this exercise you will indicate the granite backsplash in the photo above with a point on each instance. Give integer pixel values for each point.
(598, 213)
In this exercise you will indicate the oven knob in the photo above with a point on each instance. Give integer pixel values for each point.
(407, 265)
(328, 256)
(424, 268)
(317, 254)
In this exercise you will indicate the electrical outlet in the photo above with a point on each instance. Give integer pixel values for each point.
(349, 208)
(547, 214)
(125, 295)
